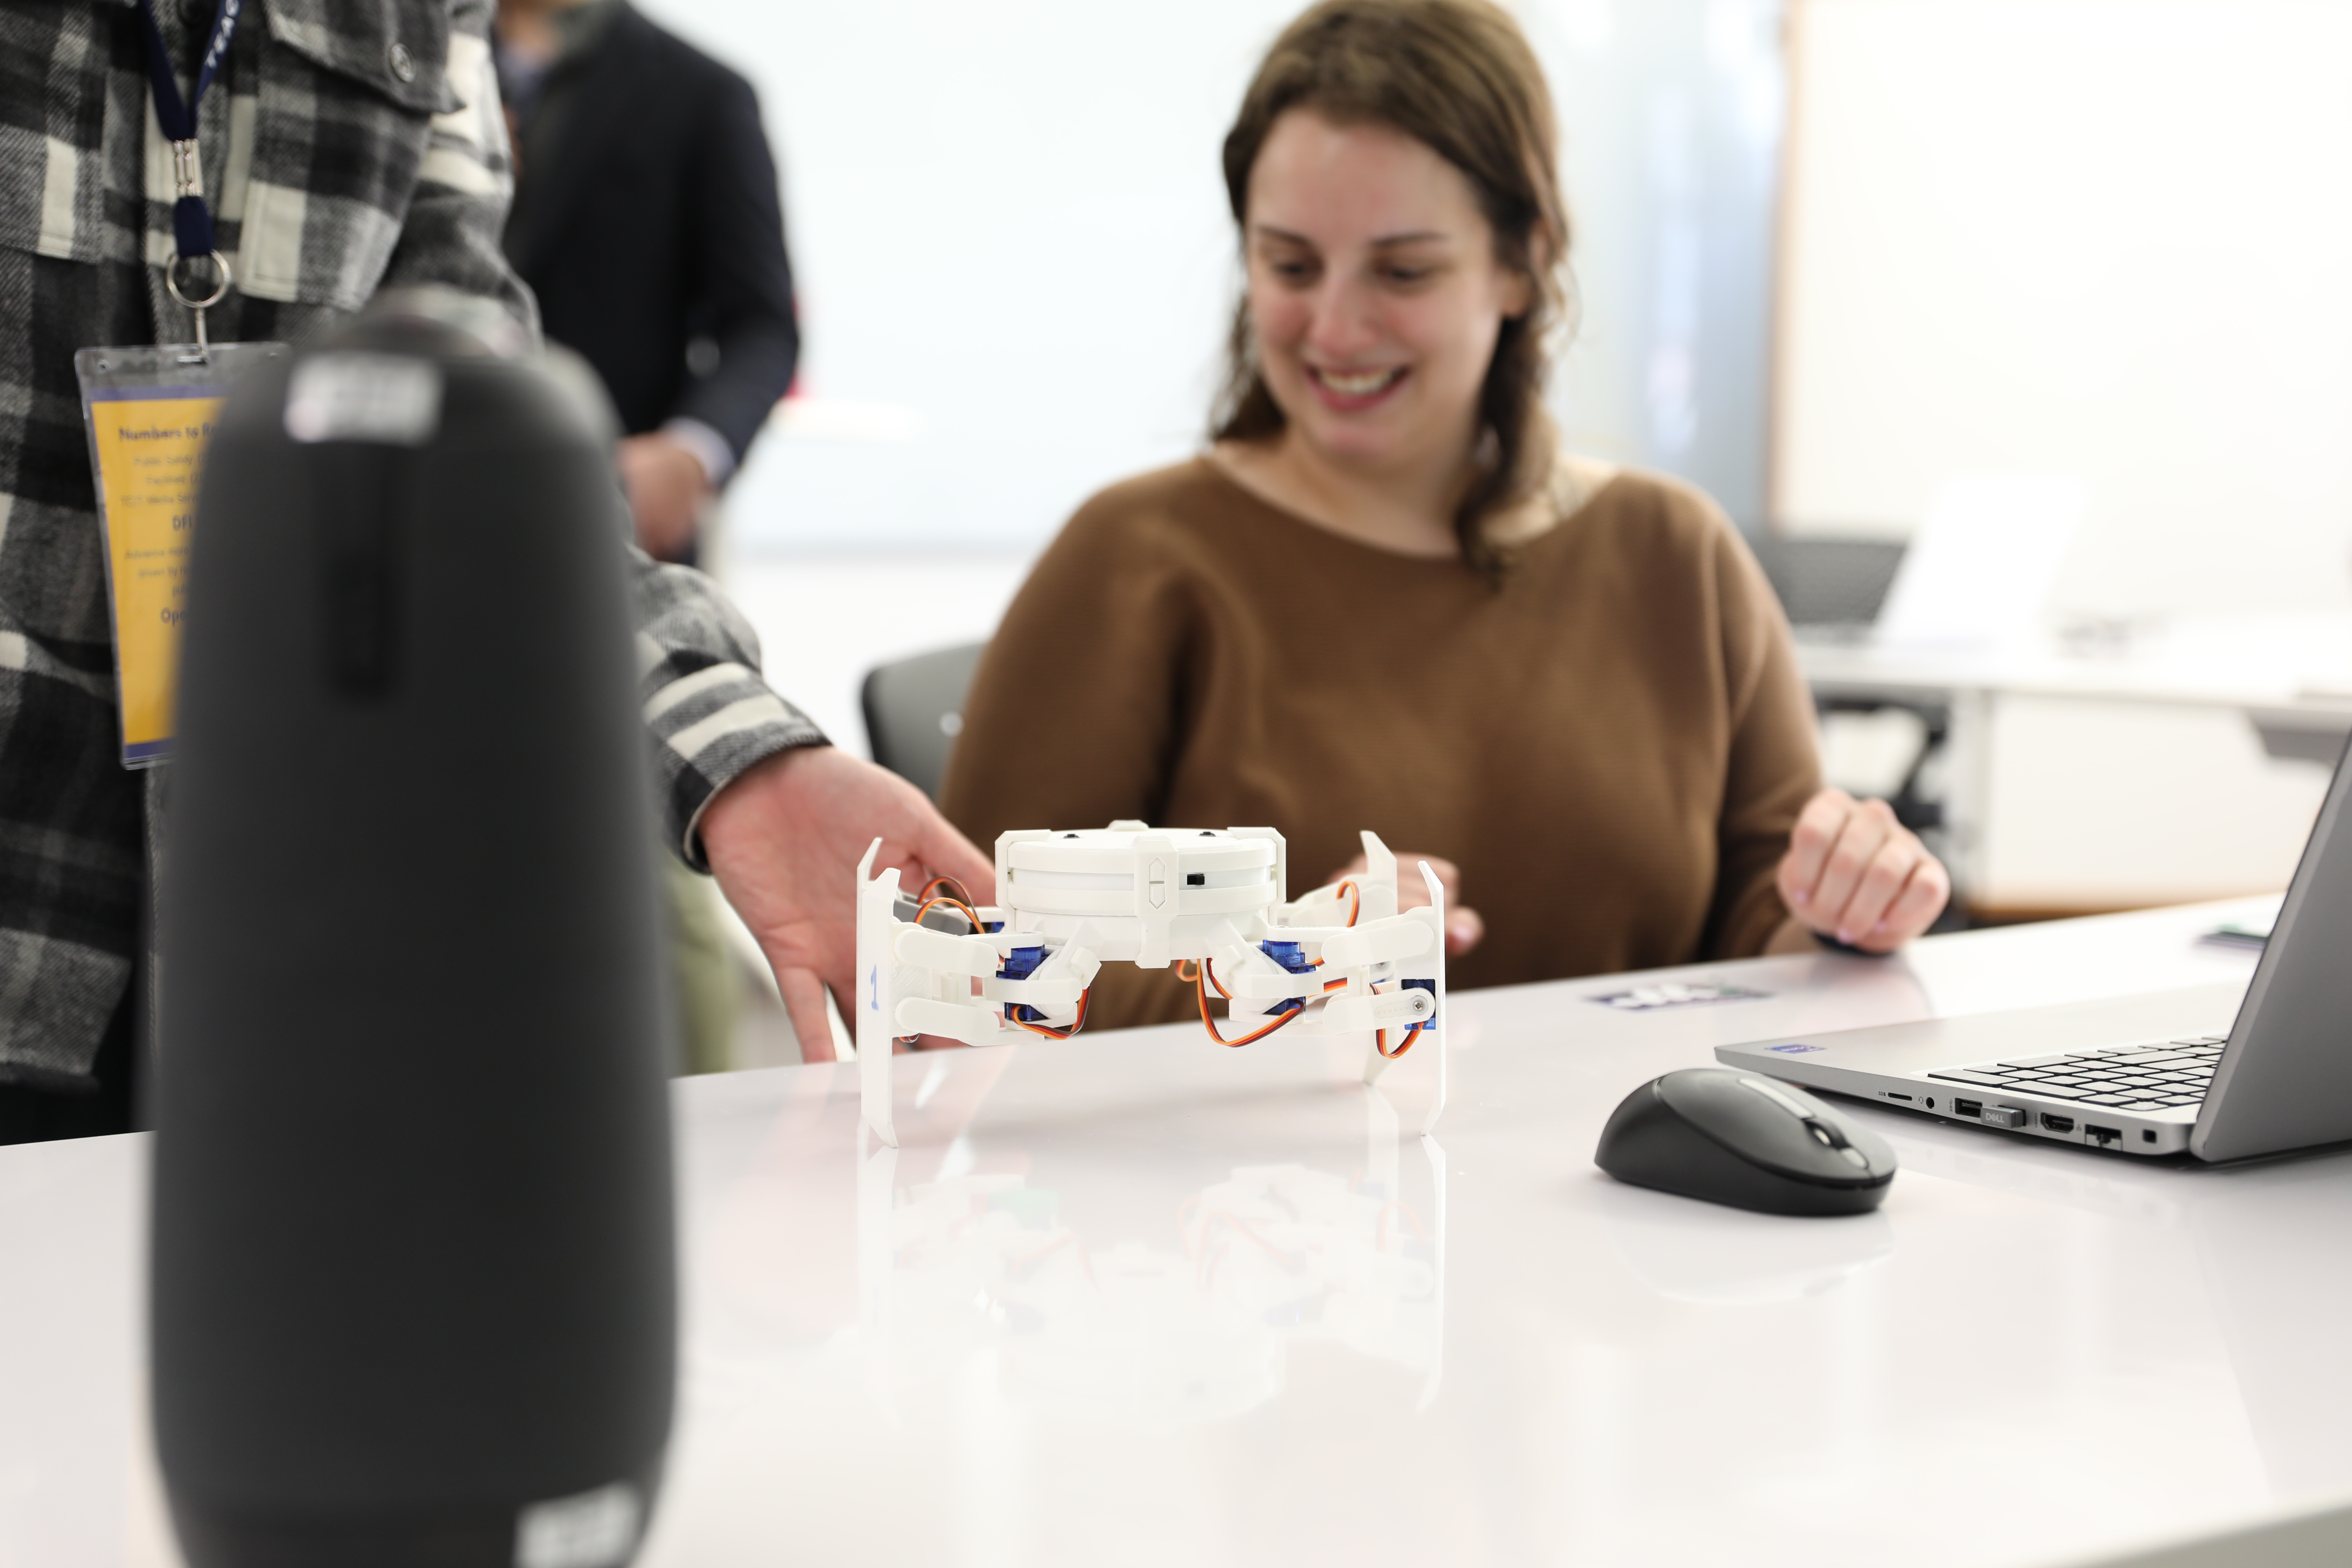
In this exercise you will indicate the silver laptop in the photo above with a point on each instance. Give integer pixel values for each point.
(2222, 1074)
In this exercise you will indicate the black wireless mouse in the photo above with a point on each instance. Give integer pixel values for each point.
(1739, 1138)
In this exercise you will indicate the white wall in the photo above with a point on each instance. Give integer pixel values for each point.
(2107, 239)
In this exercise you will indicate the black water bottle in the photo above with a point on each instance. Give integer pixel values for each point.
(413, 1293)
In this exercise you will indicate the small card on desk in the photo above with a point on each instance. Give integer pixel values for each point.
(1673, 994)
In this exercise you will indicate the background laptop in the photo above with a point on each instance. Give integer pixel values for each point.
(2219, 1075)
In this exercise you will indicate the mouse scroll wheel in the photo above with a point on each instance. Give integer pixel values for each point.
(1831, 1139)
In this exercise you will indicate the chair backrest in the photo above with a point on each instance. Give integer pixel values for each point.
(914, 711)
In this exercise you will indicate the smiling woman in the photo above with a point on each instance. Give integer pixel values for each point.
(1376, 306)
(1384, 598)
(1392, 171)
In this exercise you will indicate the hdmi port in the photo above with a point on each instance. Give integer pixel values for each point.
(2057, 1123)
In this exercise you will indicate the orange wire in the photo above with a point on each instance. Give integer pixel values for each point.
(935, 883)
(1201, 991)
(1290, 1260)
(1380, 1039)
(1210, 971)
(1188, 970)
(1355, 901)
(1053, 1034)
(922, 908)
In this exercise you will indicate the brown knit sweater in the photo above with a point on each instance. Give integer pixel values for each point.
(1614, 745)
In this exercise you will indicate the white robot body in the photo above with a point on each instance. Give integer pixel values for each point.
(1153, 898)
(1340, 961)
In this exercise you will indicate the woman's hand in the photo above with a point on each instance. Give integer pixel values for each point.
(1464, 928)
(1854, 873)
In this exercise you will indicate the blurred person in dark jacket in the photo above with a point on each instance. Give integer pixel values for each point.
(647, 220)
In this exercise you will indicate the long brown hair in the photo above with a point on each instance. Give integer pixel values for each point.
(1457, 76)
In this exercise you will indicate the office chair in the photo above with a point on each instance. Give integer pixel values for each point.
(914, 711)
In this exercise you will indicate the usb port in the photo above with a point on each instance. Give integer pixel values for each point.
(2102, 1136)
(2057, 1123)
(1967, 1108)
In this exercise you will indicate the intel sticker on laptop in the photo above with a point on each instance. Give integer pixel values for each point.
(1669, 993)
(1795, 1049)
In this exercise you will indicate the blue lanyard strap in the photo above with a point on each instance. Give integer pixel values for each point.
(192, 220)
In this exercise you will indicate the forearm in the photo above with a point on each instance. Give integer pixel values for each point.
(756, 360)
(710, 713)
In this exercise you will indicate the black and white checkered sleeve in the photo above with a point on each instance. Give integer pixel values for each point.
(710, 714)
(450, 233)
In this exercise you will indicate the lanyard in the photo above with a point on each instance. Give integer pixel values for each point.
(192, 220)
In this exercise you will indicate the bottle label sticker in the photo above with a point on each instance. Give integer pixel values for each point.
(589, 1529)
(389, 399)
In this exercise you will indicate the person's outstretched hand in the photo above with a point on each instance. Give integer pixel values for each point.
(1464, 927)
(784, 839)
(1854, 873)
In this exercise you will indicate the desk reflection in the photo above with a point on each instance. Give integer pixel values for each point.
(1155, 1326)
(2272, 1245)
(1711, 1256)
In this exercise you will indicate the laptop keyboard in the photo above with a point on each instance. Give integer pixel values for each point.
(2164, 1075)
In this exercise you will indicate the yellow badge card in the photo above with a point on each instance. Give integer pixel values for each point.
(149, 414)
(149, 453)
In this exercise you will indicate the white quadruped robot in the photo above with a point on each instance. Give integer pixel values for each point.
(1341, 960)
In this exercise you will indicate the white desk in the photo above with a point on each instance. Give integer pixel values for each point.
(2301, 706)
(2289, 678)
(1136, 1300)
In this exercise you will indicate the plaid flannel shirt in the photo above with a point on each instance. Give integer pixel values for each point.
(346, 148)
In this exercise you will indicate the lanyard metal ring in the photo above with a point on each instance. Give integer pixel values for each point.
(172, 265)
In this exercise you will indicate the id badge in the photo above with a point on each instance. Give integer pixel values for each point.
(149, 413)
